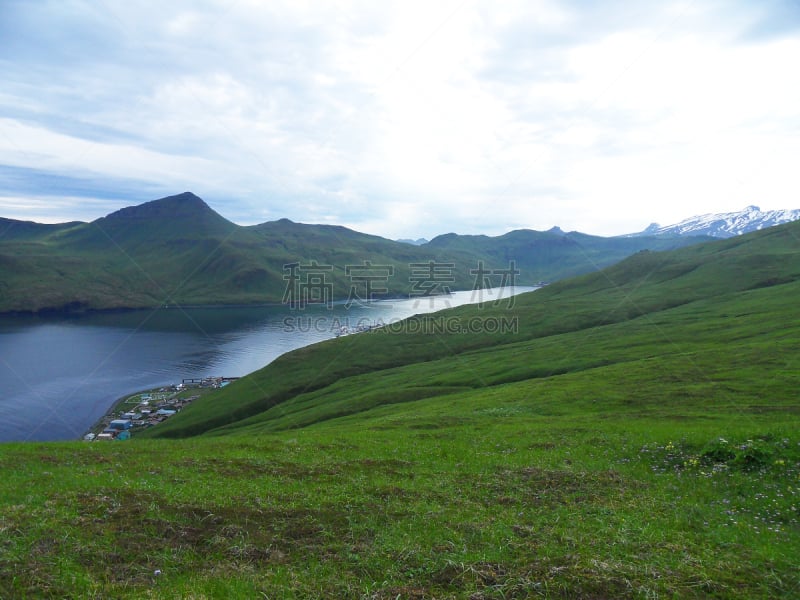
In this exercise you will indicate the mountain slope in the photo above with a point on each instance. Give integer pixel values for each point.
(179, 251)
(724, 225)
(11, 230)
(552, 255)
(333, 378)
(162, 218)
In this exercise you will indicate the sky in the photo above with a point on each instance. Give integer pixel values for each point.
(402, 119)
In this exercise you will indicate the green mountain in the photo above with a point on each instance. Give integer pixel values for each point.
(177, 250)
(552, 255)
(11, 230)
(630, 433)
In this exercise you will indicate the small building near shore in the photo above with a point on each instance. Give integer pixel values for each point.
(120, 424)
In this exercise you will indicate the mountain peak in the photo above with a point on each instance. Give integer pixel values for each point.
(652, 228)
(417, 242)
(185, 211)
(171, 206)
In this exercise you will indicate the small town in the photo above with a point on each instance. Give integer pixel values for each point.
(150, 407)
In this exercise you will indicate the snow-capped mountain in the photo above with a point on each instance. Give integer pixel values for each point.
(725, 225)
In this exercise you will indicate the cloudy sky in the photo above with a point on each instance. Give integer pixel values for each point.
(402, 119)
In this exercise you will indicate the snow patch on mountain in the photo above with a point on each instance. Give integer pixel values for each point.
(725, 225)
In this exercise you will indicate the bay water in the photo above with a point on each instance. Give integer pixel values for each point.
(60, 374)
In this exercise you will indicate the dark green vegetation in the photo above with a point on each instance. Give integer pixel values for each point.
(552, 255)
(636, 437)
(177, 250)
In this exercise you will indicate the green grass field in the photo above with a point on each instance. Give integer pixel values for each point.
(637, 436)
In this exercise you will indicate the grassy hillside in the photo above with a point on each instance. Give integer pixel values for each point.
(640, 287)
(637, 437)
(177, 250)
(27, 230)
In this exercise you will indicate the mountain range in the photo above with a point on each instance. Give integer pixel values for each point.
(179, 251)
(724, 225)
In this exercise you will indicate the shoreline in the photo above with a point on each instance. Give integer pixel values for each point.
(69, 310)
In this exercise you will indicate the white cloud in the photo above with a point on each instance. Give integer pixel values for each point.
(409, 119)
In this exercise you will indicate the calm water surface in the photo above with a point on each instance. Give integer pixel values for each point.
(58, 375)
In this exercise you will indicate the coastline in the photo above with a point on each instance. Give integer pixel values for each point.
(77, 310)
(66, 311)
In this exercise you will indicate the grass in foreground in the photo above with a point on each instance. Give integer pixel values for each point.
(503, 493)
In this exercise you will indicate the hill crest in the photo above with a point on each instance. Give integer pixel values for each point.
(182, 205)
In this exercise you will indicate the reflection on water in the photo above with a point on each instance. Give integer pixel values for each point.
(58, 375)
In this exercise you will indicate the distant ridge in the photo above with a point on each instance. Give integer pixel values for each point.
(178, 251)
(552, 255)
(724, 225)
(12, 230)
